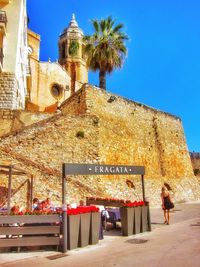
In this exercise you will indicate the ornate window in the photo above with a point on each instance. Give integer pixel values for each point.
(57, 91)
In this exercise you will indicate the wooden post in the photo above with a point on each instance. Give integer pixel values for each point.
(31, 192)
(28, 204)
(64, 211)
(143, 189)
(9, 187)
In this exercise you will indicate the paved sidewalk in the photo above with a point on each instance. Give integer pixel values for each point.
(174, 245)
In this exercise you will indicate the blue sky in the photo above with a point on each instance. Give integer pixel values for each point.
(162, 69)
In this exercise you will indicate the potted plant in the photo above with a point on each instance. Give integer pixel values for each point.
(137, 218)
(144, 225)
(84, 228)
(95, 221)
(127, 219)
(73, 225)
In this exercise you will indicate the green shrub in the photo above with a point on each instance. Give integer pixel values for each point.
(80, 134)
(196, 172)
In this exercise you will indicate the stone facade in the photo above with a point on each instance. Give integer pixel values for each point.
(41, 150)
(150, 137)
(9, 91)
(6, 117)
(113, 130)
(195, 158)
(15, 120)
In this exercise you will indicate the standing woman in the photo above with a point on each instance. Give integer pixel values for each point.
(166, 204)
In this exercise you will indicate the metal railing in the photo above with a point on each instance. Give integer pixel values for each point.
(3, 17)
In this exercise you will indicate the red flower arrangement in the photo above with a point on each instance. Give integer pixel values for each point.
(34, 212)
(82, 209)
(134, 204)
(70, 211)
(108, 199)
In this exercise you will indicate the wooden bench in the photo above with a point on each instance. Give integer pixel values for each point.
(33, 230)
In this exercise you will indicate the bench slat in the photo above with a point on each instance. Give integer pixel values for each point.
(29, 230)
(9, 219)
(29, 241)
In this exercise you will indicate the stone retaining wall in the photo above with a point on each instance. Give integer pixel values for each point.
(93, 129)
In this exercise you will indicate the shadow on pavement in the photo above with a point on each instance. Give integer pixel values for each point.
(136, 241)
(175, 210)
(197, 224)
(56, 256)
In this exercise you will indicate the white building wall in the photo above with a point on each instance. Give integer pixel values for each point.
(16, 50)
(22, 54)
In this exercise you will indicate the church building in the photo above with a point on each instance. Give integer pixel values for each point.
(26, 83)
(50, 83)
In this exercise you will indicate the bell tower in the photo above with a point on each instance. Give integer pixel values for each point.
(71, 55)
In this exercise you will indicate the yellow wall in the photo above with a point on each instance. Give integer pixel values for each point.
(34, 44)
(3, 3)
(132, 133)
(49, 74)
(43, 76)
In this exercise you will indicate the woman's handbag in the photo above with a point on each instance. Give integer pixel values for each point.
(171, 205)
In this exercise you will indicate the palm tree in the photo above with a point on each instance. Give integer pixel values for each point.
(105, 50)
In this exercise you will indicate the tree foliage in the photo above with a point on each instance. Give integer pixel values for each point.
(105, 49)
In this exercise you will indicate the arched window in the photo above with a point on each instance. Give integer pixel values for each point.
(30, 50)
